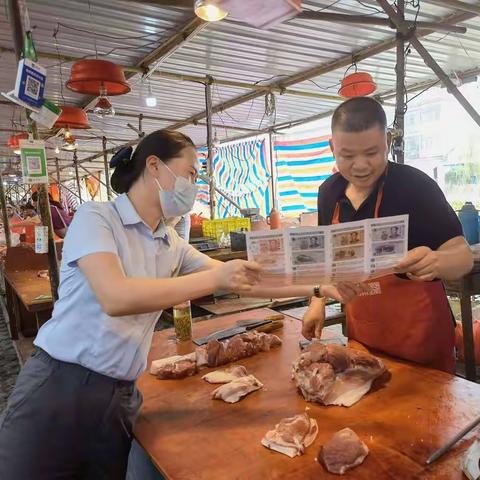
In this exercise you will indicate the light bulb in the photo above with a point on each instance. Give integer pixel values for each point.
(57, 150)
(150, 99)
(103, 108)
(151, 102)
(67, 135)
(17, 151)
(209, 10)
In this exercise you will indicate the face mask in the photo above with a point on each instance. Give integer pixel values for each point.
(180, 200)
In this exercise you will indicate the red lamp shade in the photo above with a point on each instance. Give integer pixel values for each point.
(14, 140)
(90, 76)
(358, 84)
(72, 117)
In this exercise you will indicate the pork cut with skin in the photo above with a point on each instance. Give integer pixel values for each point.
(233, 391)
(225, 376)
(292, 435)
(335, 375)
(175, 367)
(342, 452)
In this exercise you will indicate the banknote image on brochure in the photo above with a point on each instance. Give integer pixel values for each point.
(354, 251)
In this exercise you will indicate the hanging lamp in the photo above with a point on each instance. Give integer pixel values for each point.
(90, 76)
(104, 107)
(72, 117)
(358, 84)
(209, 10)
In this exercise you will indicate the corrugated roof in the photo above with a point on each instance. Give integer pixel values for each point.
(229, 50)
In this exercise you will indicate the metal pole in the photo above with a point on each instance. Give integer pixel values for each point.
(272, 166)
(57, 168)
(107, 172)
(208, 109)
(430, 61)
(366, 20)
(43, 203)
(3, 203)
(75, 163)
(398, 141)
(65, 187)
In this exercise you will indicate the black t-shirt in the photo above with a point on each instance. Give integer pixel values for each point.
(432, 221)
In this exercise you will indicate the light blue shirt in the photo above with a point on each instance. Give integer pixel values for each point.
(79, 330)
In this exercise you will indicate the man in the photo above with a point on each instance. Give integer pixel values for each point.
(406, 315)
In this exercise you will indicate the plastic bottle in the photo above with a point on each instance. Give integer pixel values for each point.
(468, 216)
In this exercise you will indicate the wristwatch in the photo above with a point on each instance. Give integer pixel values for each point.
(316, 291)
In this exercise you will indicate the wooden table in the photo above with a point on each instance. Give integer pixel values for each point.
(464, 289)
(189, 436)
(225, 306)
(225, 254)
(29, 300)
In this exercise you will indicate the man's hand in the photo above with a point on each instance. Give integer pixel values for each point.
(420, 264)
(314, 319)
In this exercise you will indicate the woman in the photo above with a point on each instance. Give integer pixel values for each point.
(75, 401)
(60, 218)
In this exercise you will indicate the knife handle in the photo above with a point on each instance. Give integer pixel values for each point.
(270, 327)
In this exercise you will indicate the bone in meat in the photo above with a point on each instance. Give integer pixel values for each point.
(225, 376)
(343, 452)
(292, 435)
(232, 392)
(335, 375)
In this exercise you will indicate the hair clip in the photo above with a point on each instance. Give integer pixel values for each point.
(124, 155)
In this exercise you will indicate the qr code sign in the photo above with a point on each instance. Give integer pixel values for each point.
(32, 88)
(34, 165)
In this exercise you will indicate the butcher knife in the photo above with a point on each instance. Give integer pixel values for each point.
(230, 332)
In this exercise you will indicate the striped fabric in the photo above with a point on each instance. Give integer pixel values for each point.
(70, 201)
(241, 171)
(302, 165)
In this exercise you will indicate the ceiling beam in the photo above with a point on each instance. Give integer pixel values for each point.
(458, 5)
(367, 20)
(196, 78)
(316, 71)
(403, 29)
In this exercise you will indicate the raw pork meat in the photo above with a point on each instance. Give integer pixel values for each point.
(335, 375)
(178, 366)
(343, 452)
(225, 376)
(292, 435)
(214, 354)
(239, 346)
(232, 392)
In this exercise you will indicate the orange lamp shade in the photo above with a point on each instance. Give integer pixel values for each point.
(92, 76)
(14, 140)
(358, 84)
(72, 117)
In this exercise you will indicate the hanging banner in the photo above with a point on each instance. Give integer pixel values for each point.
(93, 186)
(34, 161)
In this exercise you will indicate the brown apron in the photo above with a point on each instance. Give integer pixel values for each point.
(403, 318)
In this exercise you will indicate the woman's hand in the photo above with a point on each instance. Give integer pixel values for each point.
(343, 292)
(238, 276)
